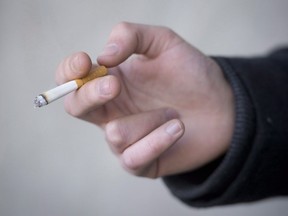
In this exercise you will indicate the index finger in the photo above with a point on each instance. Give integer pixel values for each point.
(129, 38)
(72, 67)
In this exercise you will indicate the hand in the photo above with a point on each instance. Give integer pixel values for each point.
(158, 84)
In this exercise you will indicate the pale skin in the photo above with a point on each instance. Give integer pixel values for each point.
(165, 107)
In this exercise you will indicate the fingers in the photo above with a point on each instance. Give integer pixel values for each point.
(128, 38)
(122, 132)
(143, 157)
(140, 139)
(75, 66)
(92, 95)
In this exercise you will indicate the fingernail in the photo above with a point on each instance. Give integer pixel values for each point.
(174, 128)
(104, 86)
(110, 49)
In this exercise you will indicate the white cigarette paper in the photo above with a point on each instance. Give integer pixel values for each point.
(64, 89)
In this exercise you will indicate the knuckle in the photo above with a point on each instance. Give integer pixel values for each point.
(131, 164)
(168, 31)
(123, 26)
(137, 164)
(124, 30)
(115, 135)
(169, 35)
(138, 168)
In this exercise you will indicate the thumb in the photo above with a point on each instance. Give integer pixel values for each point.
(128, 38)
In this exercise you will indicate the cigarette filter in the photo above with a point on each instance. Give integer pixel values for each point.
(62, 90)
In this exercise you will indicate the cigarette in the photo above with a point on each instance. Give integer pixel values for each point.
(64, 89)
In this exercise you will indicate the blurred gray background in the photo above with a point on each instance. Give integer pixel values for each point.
(52, 164)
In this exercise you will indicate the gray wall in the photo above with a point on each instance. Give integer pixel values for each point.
(52, 164)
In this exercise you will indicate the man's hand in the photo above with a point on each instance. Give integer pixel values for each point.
(158, 84)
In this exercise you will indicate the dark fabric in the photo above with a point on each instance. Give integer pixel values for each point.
(256, 164)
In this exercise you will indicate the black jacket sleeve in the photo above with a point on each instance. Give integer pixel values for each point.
(256, 164)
